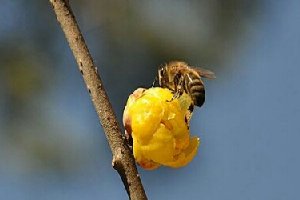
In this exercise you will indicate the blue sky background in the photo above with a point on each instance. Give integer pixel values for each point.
(54, 148)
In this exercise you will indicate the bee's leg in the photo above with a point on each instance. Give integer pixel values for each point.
(178, 82)
(177, 94)
(154, 82)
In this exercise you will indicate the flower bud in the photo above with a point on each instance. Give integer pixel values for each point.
(158, 125)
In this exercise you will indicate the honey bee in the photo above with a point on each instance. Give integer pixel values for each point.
(179, 77)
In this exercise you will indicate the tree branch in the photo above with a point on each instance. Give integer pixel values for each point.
(123, 160)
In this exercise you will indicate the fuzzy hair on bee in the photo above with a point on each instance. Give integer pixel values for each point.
(181, 78)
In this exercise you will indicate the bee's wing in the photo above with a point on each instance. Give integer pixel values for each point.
(205, 73)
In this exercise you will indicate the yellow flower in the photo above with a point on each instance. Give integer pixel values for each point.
(159, 128)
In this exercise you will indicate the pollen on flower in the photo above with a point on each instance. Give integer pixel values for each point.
(159, 128)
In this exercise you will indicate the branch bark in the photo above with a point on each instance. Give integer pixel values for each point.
(123, 160)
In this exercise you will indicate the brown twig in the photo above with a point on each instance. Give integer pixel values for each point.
(123, 160)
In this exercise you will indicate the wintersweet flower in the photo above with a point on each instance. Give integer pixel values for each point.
(159, 128)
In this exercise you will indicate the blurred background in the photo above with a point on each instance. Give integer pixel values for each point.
(53, 147)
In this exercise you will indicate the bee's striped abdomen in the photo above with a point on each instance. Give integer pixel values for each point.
(195, 88)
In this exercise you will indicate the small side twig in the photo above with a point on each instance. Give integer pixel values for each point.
(123, 160)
